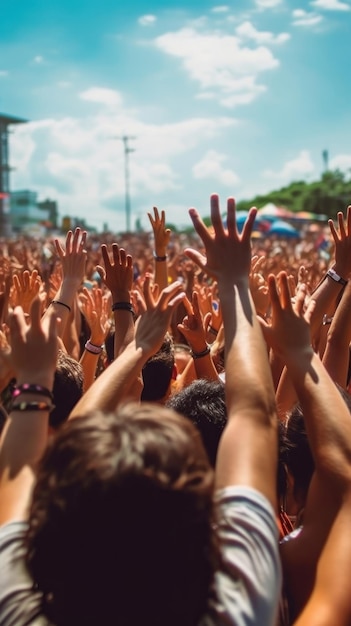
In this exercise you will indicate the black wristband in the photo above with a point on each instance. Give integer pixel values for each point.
(160, 258)
(61, 303)
(199, 355)
(123, 306)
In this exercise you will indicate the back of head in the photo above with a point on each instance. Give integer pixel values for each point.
(295, 453)
(67, 389)
(203, 403)
(121, 521)
(157, 373)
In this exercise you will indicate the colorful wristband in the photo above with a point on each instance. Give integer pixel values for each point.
(29, 388)
(91, 347)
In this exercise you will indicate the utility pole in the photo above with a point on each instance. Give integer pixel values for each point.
(127, 151)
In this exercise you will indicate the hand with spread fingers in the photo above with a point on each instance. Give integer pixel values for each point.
(26, 287)
(117, 274)
(73, 255)
(161, 233)
(94, 306)
(228, 252)
(342, 243)
(288, 332)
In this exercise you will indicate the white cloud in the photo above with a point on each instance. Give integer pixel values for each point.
(3, 73)
(331, 5)
(109, 97)
(211, 167)
(268, 4)
(303, 18)
(296, 168)
(38, 59)
(219, 62)
(220, 9)
(80, 162)
(248, 31)
(147, 20)
(341, 162)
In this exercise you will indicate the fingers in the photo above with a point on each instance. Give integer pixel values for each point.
(216, 217)
(100, 270)
(196, 257)
(199, 226)
(341, 224)
(231, 221)
(248, 226)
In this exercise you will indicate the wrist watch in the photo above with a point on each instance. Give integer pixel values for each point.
(332, 274)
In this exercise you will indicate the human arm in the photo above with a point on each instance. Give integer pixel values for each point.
(329, 290)
(118, 278)
(161, 237)
(328, 427)
(114, 384)
(24, 438)
(94, 306)
(193, 328)
(248, 449)
(336, 357)
(72, 258)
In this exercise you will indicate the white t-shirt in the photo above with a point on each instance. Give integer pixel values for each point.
(246, 590)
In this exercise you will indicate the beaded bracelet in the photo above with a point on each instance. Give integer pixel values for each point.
(199, 355)
(92, 348)
(32, 406)
(61, 303)
(123, 306)
(30, 388)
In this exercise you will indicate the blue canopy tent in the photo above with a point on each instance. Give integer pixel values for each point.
(283, 229)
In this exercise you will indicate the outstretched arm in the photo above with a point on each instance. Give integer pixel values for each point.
(161, 236)
(248, 448)
(23, 441)
(118, 278)
(114, 384)
(328, 426)
(73, 260)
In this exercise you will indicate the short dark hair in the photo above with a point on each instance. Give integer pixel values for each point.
(121, 521)
(157, 372)
(294, 450)
(67, 389)
(203, 403)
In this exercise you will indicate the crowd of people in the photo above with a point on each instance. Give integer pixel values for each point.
(176, 432)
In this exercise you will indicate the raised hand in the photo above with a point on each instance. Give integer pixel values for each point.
(194, 325)
(34, 346)
(258, 286)
(73, 255)
(342, 242)
(154, 323)
(117, 274)
(26, 287)
(228, 252)
(95, 308)
(161, 233)
(289, 331)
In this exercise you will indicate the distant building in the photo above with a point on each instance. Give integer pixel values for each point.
(5, 221)
(26, 211)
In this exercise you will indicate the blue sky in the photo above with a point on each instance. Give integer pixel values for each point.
(236, 98)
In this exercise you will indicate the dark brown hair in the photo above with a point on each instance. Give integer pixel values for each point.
(121, 522)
